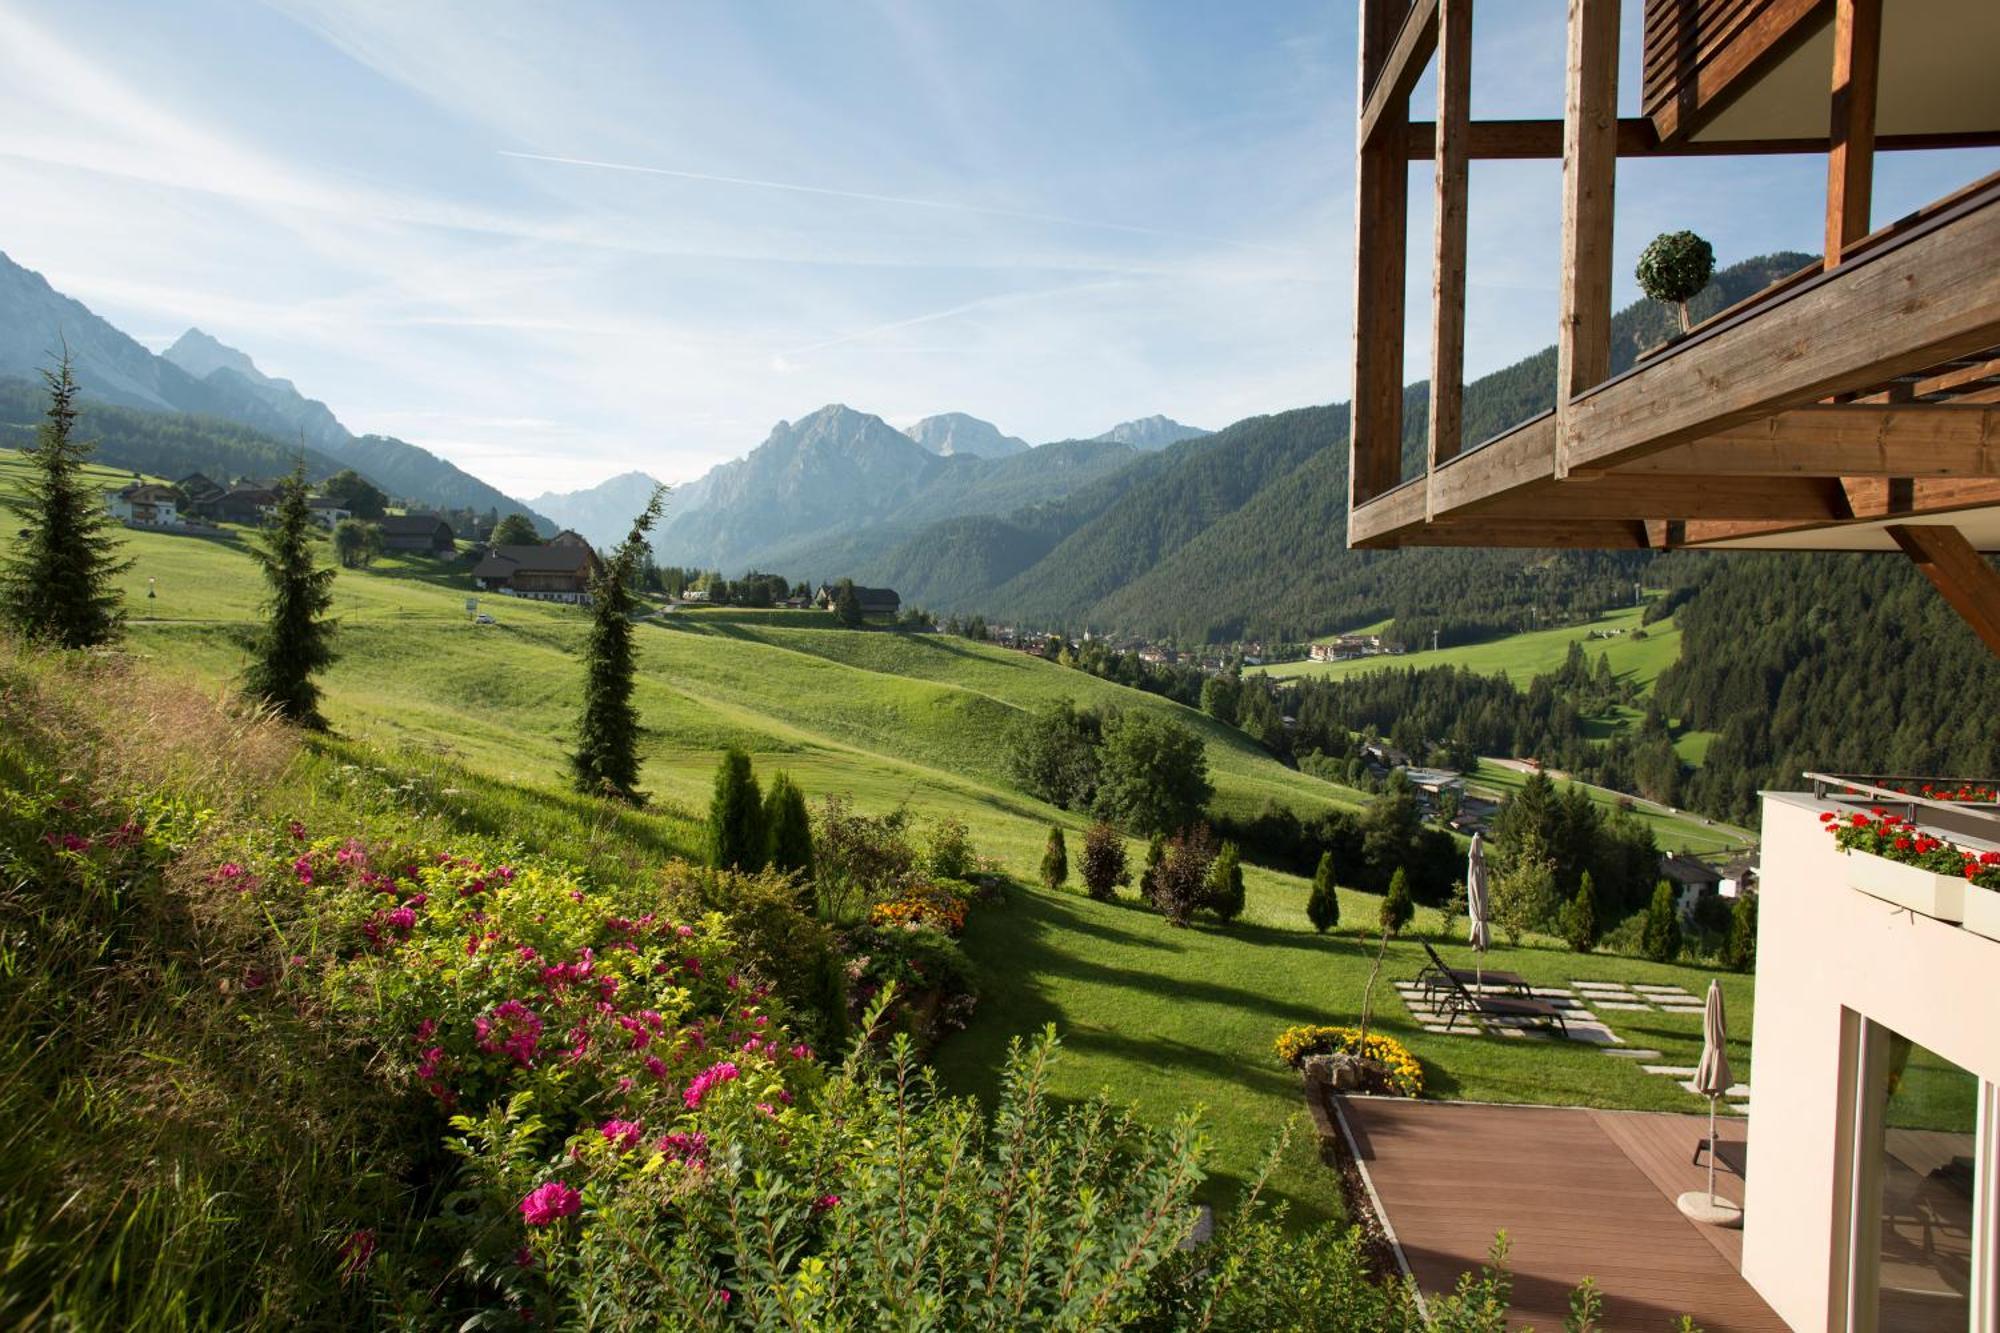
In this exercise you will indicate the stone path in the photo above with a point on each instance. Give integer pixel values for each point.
(1579, 1002)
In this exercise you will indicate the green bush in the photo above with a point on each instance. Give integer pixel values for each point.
(779, 943)
(735, 816)
(1673, 269)
(1055, 860)
(1739, 951)
(949, 853)
(1323, 904)
(1660, 937)
(1397, 907)
(1579, 917)
(788, 840)
(1225, 884)
(1180, 885)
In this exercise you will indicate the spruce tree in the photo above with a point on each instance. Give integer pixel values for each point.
(1739, 951)
(735, 816)
(1323, 906)
(1225, 884)
(847, 605)
(56, 586)
(606, 759)
(1055, 859)
(788, 838)
(1397, 907)
(1660, 938)
(1579, 917)
(1149, 876)
(297, 638)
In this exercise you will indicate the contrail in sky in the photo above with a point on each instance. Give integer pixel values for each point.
(940, 205)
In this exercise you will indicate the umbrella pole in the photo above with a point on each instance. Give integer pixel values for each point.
(1711, 1151)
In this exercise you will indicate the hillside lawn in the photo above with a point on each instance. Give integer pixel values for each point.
(1522, 657)
(472, 720)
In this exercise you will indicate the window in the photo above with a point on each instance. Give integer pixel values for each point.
(1924, 1254)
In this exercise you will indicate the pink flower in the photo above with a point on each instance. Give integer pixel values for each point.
(298, 831)
(685, 932)
(621, 1134)
(303, 868)
(545, 1203)
(826, 1203)
(689, 1148)
(721, 1072)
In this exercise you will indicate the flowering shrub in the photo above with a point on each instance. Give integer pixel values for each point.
(922, 901)
(1880, 833)
(1406, 1073)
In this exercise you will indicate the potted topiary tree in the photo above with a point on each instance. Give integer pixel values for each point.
(1674, 268)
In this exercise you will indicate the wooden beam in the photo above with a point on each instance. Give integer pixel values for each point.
(1930, 498)
(1388, 89)
(1454, 97)
(1704, 91)
(1965, 577)
(1542, 140)
(1381, 202)
(1590, 169)
(1851, 440)
(1850, 162)
(1928, 297)
(1799, 499)
(1389, 518)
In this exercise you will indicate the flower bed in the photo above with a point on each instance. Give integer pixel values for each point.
(1916, 870)
(1404, 1076)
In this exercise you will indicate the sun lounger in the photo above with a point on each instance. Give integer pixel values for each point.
(1438, 976)
(1459, 999)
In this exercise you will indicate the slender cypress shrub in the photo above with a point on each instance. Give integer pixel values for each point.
(1660, 939)
(1739, 951)
(736, 838)
(1397, 906)
(788, 840)
(1055, 859)
(1579, 917)
(607, 733)
(56, 586)
(297, 638)
(1149, 877)
(1323, 905)
(1225, 883)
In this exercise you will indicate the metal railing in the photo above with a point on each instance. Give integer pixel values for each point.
(1904, 795)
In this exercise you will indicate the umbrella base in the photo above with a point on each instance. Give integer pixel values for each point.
(1710, 1209)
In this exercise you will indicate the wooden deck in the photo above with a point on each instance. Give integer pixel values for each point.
(1579, 1193)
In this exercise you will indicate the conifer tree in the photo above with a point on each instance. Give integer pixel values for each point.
(736, 838)
(56, 585)
(607, 732)
(1149, 876)
(1579, 917)
(1225, 884)
(1055, 859)
(847, 605)
(788, 839)
(1660, 937)
(297, 638)
(1397, 907)
(1323, 906)
(1739, 951)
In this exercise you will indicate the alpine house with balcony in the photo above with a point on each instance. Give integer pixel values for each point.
(1851, 406)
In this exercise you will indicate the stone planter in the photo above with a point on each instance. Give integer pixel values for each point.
(1982, 911)
(1941, 897)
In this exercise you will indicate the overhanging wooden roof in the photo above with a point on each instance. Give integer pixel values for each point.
(1853, 405)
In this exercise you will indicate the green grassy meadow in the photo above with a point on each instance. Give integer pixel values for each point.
(1521, 657)
(1160, 1017)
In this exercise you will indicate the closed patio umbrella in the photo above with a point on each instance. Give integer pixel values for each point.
(1712, 1079)
(1480, 935)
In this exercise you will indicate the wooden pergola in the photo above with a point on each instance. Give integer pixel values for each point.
(1853, 405)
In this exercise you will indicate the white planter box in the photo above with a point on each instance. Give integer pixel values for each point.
(1982, 911)
(1939, 896)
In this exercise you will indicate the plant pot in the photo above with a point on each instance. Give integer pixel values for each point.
(1941, 897)
(1982, 911)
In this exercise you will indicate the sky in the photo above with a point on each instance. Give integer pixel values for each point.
(557, 242)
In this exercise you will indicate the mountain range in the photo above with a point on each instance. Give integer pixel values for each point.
(201, 376)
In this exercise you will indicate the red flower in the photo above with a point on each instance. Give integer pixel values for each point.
(1826, 817)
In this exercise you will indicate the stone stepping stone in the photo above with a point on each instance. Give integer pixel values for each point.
(1671, 1071)
(1599, 985)
(1634, 1053)
(1618, 1004)
(1661, 990)
(1550, 990)
(1681, 1008)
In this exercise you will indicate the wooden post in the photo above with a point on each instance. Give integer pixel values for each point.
(1966, 578)
(1454, 118)
(1590, 166)
(1381, 203)
(1850, 158)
